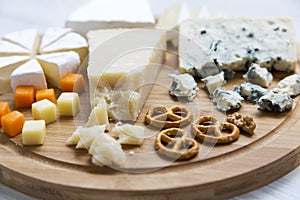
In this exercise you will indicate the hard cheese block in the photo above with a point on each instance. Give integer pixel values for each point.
(122, 70)
(111, 14)
(233, 44)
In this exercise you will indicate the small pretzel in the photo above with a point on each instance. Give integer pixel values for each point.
(244, 122)
(209, 129)
(163, 117)
(175, 143)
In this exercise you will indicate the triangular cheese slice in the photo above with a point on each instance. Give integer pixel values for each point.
(52, 34)
(30, 73)
(27, 39)
(10, 49)
(7, 66)
(69, 42)
(56, 65)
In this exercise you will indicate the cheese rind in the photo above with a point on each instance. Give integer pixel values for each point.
(56, 65)
(124, 75)
(30, 74)
(106, 15)
(234, 43)
(7, 66)
(52, 34)
(10, 49)
(28, 39)
(68, 42)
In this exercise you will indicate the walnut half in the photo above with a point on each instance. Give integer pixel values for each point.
(244, 122)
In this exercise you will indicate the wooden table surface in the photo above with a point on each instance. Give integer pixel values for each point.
(19, 14)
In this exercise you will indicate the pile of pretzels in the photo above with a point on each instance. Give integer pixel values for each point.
(172, 141)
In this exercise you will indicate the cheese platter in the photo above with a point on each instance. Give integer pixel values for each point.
(58, 169)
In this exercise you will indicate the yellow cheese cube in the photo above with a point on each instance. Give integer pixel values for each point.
(34, 132)
(44, 110)
(68, 104)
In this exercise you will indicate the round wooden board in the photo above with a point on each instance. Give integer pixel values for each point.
(57, 171)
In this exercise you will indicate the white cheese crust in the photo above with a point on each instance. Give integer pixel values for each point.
(7, 66)
(56, 65)
(111, 14)
(30, 74)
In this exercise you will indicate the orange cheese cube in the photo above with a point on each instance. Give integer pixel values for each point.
(45, 94)
(12, 123)
(4, 109)
(72, 83)
(24, 96)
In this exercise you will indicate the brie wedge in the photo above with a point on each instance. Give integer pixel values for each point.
(7, 66)
(10, 49)
(30, 74)
(28, 39)
(56, 65)
(68, 42)
(126, 70)
(111, 14)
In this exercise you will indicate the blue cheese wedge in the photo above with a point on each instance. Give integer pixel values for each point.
(251, 92)
(235, 43)
(290, 84)
(258, 75)
(226, 100)
(213, 82)
(183, 86)
(276, 100)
